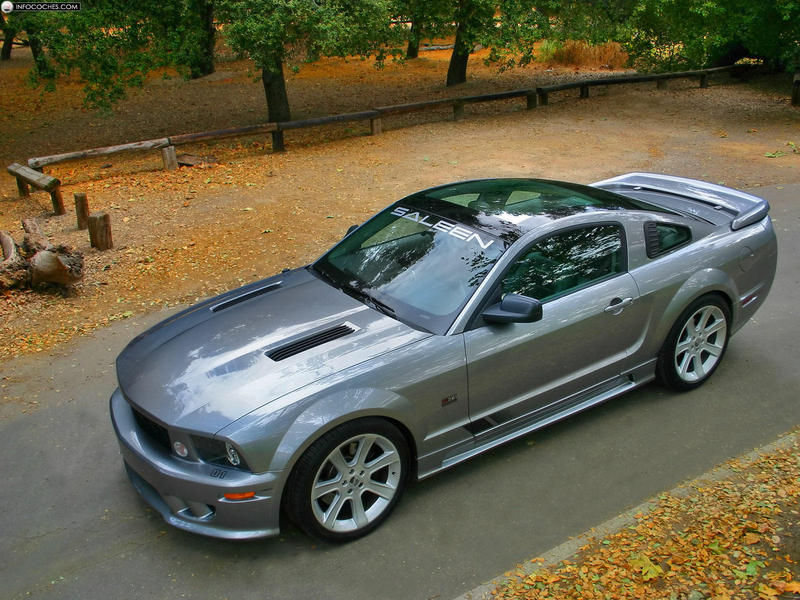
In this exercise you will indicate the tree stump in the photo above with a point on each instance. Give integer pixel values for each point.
(39, 262)
(82, 210)
(100, 231)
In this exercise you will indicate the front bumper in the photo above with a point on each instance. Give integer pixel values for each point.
(190, 494)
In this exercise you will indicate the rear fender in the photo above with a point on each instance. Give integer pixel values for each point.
(701, 283)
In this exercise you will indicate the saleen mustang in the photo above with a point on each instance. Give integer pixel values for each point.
(454, 320)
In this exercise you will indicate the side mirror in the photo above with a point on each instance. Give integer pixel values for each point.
(514, 308)
(350, 230)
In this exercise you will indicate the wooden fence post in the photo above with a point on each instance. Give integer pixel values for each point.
(100, 231)
(277, 142)
(661, 84)
(375, 126)
(458, 111)
(170, 158)
(704, 80)
(58, 201)
(542, 98)
(82, 210)
(584, 91)
(22, 187)
(796, 89)
(533, 101)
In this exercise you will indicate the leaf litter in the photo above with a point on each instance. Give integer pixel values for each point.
(735, 538)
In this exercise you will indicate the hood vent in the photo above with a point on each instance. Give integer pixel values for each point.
(309, 342)
(246, 296)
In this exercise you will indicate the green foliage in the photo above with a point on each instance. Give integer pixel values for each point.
(112, 44)
(675, 34)
(277, 30)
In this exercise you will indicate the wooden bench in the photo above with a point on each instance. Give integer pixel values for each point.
(26, 176)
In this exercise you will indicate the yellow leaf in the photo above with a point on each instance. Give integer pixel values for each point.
(792, 586)
(751, 538)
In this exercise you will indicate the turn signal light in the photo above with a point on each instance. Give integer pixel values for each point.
(240, 496)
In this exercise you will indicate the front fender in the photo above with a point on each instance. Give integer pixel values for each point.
(323, 414)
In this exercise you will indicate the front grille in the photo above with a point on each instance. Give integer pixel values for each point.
(153, 430)
(309, 342)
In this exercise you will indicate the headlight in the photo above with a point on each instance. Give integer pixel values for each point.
(219, 452)
(233, 455)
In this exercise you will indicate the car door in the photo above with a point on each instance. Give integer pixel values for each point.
(590, 321)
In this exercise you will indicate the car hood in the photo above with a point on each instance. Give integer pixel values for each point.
(217, 361)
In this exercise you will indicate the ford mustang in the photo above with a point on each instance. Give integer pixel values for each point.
(456, 319)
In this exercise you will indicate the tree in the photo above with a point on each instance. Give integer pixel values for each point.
(10, 31)
(427, 18)
(271, 32)
(113, 44)
(510, 29)
(670, 34)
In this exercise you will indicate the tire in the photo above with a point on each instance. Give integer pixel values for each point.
(348, 481)
(695, 345)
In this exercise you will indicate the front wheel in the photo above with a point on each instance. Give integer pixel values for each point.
(695, 345)
(349, 480)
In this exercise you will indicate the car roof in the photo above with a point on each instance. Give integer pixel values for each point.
(509, 208)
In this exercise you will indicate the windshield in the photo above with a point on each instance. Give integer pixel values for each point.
(412, 264)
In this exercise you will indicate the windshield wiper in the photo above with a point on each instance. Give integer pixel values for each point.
(324, 275)
(368, 299)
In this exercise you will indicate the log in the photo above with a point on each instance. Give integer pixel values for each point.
(35, 178)
(100, 231)
(82, 210)
(35, 240)
(93, 152)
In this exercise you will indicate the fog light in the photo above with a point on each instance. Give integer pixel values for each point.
(180, 449)
(233, 455)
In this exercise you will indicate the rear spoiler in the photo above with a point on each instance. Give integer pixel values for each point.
(746, 208)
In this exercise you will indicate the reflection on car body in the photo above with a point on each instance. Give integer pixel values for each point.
(454, 320)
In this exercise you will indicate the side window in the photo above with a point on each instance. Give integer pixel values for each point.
(663, 237)
(567, 261)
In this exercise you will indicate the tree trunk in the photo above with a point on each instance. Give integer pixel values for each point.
(796, 89)
(413, 40)
(204, 62)
(275, 90)
(9, 33)
(39, 57)
(457, 71)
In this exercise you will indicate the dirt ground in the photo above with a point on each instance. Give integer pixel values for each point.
(183, 235)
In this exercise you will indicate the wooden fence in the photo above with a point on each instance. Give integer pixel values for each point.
(533, 96)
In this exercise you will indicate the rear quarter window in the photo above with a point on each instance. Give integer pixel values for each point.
(661, 238)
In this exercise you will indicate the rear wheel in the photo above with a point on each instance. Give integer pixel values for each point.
(349, 480)
(695, 345)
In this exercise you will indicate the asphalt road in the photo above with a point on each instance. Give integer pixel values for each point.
(71, 526)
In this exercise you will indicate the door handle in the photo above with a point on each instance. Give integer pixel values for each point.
(617, 304)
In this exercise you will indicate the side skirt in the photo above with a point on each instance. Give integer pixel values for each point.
(489, 434)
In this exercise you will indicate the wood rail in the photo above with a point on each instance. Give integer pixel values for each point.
(26, 176)
(533, 96)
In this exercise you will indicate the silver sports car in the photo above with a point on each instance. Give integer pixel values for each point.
(454, 320)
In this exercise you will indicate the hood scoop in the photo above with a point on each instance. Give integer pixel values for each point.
(246, 296)
(311, 341)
